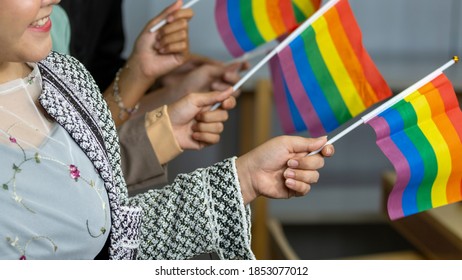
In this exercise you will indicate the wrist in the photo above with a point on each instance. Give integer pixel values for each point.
(137, 74)
(176, 125)
(245, 179)
(124, 111)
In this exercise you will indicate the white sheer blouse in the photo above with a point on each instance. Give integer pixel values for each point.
(53, 204)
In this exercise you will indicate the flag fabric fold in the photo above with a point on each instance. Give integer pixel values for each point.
(290, 118)
(329, 74)
(421, 136)
(246, 24)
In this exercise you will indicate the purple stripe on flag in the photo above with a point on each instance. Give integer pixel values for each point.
(279, 97)
(221, 17)
(300, 97)
(400, 163)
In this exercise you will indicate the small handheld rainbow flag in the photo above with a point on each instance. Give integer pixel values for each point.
(420, 131)
(246, 24)
(291, 119)
(421, 136)
(329, 74)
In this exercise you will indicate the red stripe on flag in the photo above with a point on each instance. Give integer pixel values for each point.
(288, 15)
(353, 32)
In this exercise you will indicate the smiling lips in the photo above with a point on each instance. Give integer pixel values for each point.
(43, 24)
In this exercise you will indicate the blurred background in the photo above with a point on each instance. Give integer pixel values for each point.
(407, 40)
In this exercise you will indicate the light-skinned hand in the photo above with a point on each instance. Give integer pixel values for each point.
(157, 53)
(205, 77)
(279, 168)
(194, 125)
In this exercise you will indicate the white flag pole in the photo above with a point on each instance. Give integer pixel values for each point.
(282, 45)
(286, 41)
(251, 55)
(392, 101)
(163, 22)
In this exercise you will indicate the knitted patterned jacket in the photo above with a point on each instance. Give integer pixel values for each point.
(198, 213)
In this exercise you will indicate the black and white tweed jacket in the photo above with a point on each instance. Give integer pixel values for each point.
(199, 212)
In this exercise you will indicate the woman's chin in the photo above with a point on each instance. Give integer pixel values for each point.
(39, 53)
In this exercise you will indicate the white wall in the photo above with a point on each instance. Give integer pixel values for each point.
(406, 38)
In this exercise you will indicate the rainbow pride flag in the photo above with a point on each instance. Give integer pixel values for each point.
(246, 24)
(329, 74)
(421, 136)
(291, 120)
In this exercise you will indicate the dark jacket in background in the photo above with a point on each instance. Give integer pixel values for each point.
(97, 36)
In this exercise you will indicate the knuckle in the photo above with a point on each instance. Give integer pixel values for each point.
(198, 127)
(307, 189)
(315, 178)
(183, 23)
(220, 127)
(183, 34)
(225, 115)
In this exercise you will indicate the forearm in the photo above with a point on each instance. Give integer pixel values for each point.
(140, 164)
(129, 85)
(200, 212)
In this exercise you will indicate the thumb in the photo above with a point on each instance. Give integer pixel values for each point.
(164, 14)
(210, 98)
(201, 60)
(235, 67)
(212, 71)
(304, 145)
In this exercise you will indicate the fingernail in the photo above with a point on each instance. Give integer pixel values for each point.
(289, 173)
(328, 151)
(290, 182)
(292, 163)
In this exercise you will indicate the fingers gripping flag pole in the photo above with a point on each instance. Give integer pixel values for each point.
(164, 21)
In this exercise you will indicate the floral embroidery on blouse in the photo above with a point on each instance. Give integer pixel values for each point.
(30, 79)
(10, 185)
(22, 249)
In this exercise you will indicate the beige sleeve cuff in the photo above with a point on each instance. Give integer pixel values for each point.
(160, 134)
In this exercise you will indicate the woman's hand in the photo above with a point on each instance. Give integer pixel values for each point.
(157, 53)
(194, 125)
(154, 54)
(198, 77)
(280, 168)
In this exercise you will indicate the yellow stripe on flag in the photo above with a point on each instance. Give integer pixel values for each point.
(349, 58)
(305, 6)
(336, 68)
(440, 147)
(261, 19)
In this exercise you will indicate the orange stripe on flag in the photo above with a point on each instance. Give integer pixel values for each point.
(275, 16)
(354, 34)
(349, 58)
(448, 130)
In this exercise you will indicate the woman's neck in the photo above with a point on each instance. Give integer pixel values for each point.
(13, 70)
